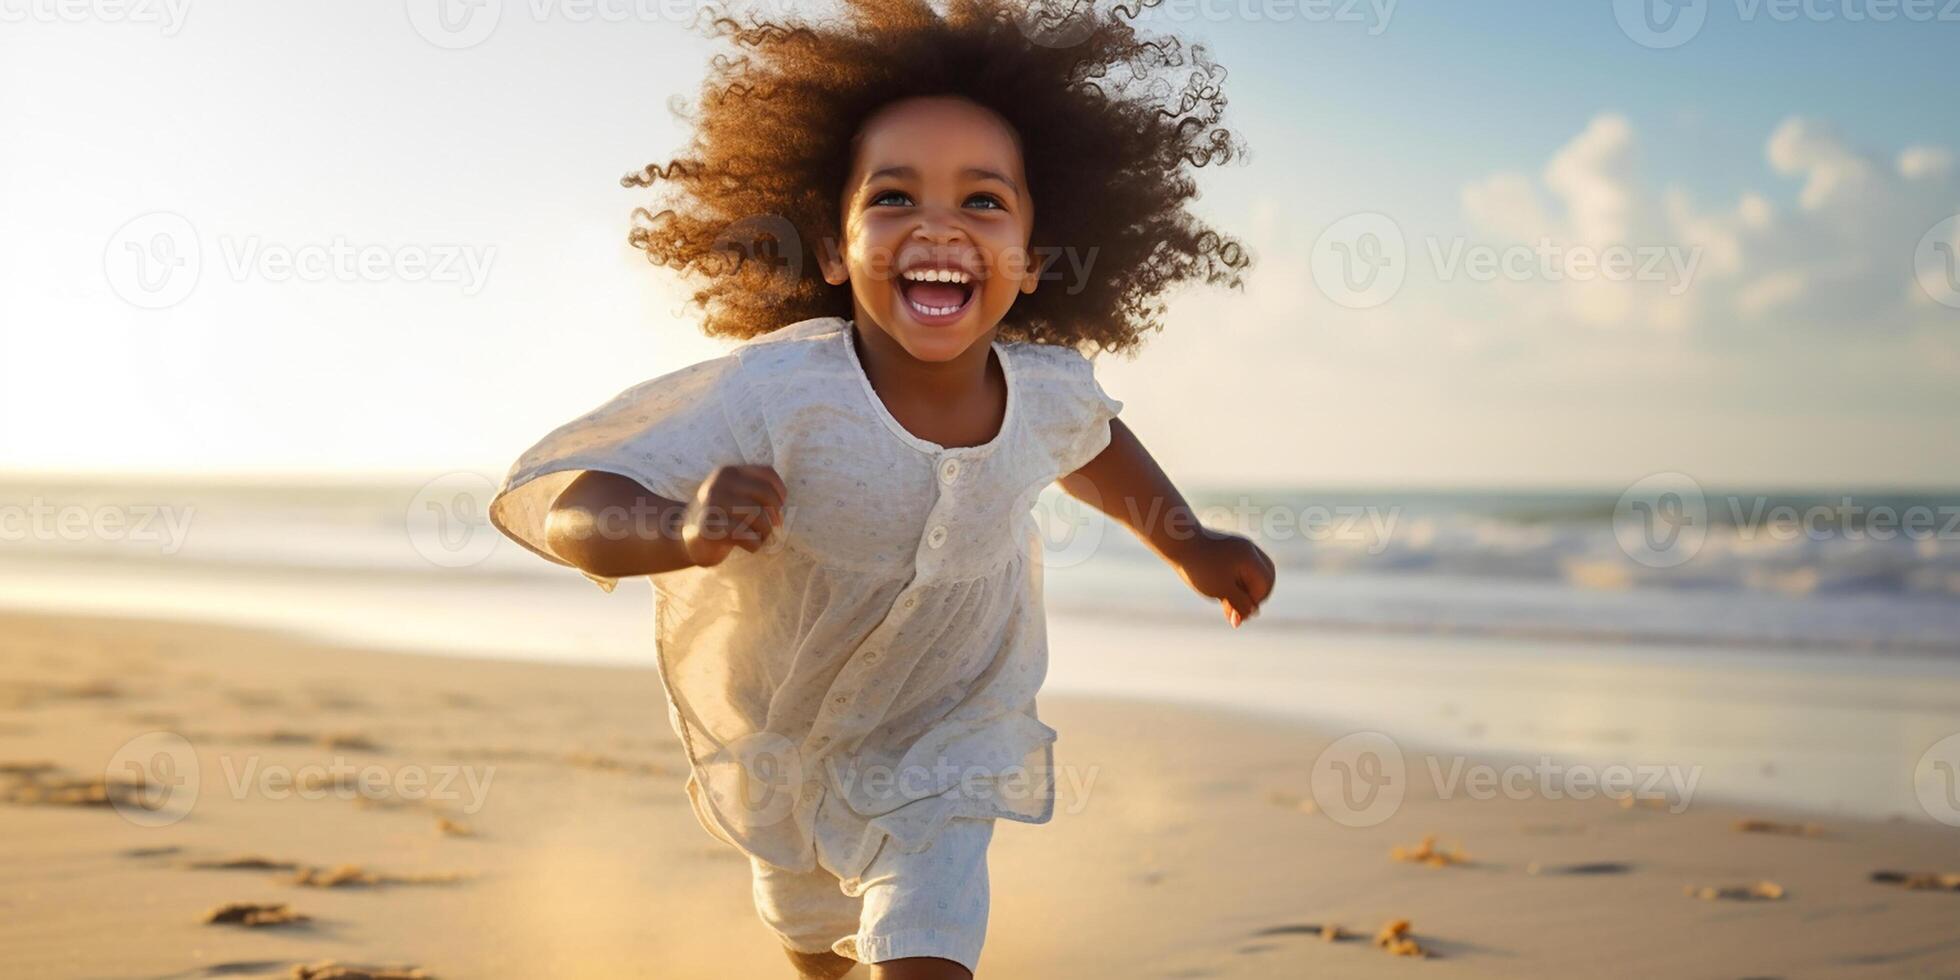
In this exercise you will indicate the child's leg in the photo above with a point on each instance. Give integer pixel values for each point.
(925, 913)
(919, 968)
(807, 912)
(819, 966)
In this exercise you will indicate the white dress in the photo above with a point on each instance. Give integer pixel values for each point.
(871, 671)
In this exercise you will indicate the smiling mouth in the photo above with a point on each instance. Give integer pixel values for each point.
(936, 295)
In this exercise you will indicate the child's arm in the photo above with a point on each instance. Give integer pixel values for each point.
(1124, 482)
(608, 525)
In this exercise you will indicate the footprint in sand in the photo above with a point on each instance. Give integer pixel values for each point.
(236, 968)
(149, 852)
(28, 694)
(246, 697)
(1426, 852)
(605, 763)
(330, 970)
(254, 915)
(44, 789)
(1919, 880)
(1292, 801)
(316, 876)
(341, 741)
(1757, 891)
(1752, 826)
(1593, 868)
(1394, 938)
(1326, 933)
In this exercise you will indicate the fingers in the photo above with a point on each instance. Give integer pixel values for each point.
(777, 492)
(1258, 576)
(1239, 604)
(1252, 582)
(742, 506)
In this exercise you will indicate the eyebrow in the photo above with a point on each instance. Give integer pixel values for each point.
(913, 174)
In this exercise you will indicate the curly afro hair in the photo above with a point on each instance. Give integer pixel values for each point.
(1112, 126)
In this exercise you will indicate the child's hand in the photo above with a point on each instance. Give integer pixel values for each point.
(735, 507)
(1231, 569)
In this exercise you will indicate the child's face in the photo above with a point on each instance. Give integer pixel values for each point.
(937, 193)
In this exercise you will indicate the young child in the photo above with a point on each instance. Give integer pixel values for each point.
(836, 515)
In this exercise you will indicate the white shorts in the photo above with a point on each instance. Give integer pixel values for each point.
(929, 903)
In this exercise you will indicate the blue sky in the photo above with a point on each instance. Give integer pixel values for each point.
(1799, 163)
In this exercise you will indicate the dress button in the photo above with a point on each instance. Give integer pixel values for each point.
(937, 536)
(911, 600)
(949, 471)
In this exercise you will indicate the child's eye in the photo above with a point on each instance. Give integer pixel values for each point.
(986, 202)
(891, 199)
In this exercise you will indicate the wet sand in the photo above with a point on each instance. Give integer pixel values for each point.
(501, 819)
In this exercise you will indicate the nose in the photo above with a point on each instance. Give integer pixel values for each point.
(939, 226)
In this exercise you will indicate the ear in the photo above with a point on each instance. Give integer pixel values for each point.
(1031, 271)
(831, 259)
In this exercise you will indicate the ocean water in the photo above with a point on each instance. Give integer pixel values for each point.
(1808, 662)
(1777, 571)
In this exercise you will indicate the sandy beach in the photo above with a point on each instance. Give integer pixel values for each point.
(505, 819)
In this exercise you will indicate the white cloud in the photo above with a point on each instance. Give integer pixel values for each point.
(1842, 257)
(1925, 162)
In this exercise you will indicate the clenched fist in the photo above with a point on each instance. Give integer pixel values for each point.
(735, 507)
(1231, 569)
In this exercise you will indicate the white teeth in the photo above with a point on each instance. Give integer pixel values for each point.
(938, 275)
(933, 310)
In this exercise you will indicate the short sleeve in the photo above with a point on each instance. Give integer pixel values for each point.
(668, 434)
(1084, 412)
